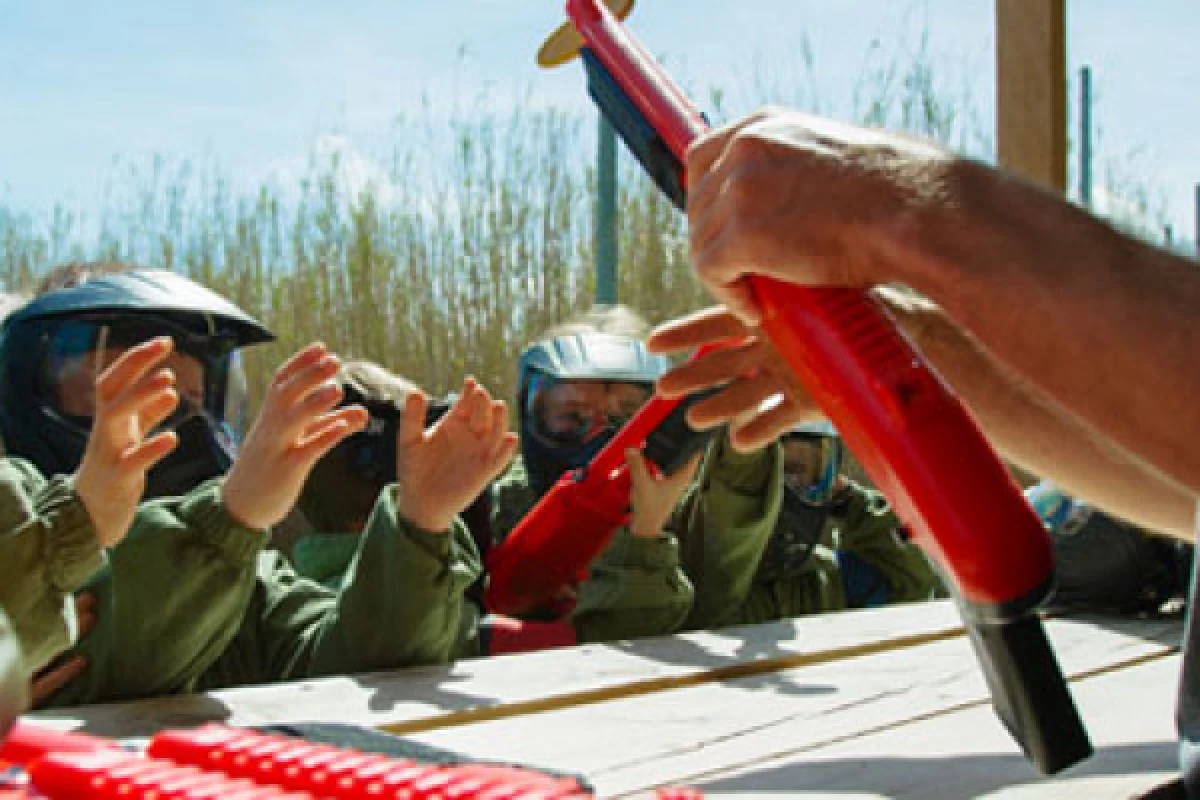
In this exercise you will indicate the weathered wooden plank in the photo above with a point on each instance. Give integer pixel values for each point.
(687, 734)
(964, 754)
(468, 691)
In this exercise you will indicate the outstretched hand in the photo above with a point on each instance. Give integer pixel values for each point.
(653, 497)
(440, 471)
(298, 424)
(133, 396)
(759, 398)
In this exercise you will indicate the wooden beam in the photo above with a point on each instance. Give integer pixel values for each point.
(1031, 90)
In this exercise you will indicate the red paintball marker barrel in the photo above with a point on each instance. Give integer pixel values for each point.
(552, 546)
(915, 439)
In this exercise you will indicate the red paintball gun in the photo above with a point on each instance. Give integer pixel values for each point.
(915, 439)
(221, 763)
(552, 546)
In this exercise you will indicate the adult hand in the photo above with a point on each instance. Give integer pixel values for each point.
(759, 397)
(133, 396)
(298, 424)
(809, 200)
(440, 471)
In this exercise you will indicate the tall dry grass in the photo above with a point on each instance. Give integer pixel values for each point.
(435, 270)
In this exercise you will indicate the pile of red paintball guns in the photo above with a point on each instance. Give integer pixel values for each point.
(222, 763)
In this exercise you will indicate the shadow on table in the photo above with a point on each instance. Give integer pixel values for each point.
(1164, 629)
(145, 717)
(434, 686)
(949, 778)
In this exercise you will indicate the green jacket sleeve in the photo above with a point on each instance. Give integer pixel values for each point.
(401, 605)
(635, 588)
(48, 549)
(169, 602)
(725, 524)
(867, 528)
(512, 498)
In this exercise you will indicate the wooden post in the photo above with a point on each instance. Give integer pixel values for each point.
(1031, 90)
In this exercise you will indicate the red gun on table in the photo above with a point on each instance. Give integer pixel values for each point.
(915, 439)
(215, 762)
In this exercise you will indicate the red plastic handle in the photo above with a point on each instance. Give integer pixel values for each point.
(915, 439)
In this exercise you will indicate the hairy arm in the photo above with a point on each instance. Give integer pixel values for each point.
(1102, 324)
(1033, 431)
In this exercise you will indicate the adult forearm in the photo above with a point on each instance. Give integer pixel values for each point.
(1101, 323)
(1032, 431)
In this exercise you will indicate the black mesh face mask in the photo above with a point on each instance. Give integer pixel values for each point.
(209, 375)
(571, 415)
(564, 423)
(203, 452)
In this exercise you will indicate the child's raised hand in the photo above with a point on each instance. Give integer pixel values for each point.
(133, 396)
(441, 470)
(653, 497)
(296, 426)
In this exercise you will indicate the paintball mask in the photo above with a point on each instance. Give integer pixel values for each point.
(52, 350)
(812, 456)
(574, 393)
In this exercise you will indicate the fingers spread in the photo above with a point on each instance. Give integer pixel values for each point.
(131, 368)
(412, 421)
(325, 434)
(742, 397)
(343, 422)
(503, 453)
(481, 413)
(306, 357)
(755, 432)
(147, 397)
(713, 369)
(710, 325)
(141, 457)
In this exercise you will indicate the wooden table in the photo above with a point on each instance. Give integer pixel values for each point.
(875, 704)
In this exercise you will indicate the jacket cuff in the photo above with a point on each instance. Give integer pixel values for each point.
(72, 552)
(203, 510)
(436, 544)
(655, 553)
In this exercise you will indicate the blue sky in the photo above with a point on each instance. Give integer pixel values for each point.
(255, 85)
